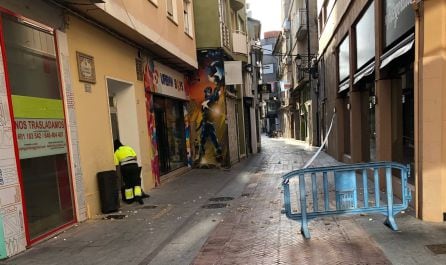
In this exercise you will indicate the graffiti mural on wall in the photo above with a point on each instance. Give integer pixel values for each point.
(187, 137)
(207, 111)
(149, 87)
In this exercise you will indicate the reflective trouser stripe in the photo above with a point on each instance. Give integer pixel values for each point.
(138, 191)
(128, 194)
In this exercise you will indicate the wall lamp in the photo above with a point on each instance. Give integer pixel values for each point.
(248, 68)
(310, 67)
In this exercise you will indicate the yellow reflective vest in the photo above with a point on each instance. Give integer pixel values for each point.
(125, 155)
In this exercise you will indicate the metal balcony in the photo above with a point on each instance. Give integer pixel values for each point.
(302, 68)
(239, 42)
(225, 39)
(301, 25)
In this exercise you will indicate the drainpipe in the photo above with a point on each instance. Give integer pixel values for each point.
(419, 37)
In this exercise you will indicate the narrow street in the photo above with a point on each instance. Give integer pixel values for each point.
(212, 107)
(257, 233)
(172, 227)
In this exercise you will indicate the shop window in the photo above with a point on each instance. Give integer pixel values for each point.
(344, 59)
(365, 37)
(399, 19)
(40, 125)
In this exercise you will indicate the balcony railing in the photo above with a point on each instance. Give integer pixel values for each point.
(301, 72)
(225, 39)
(239, 42)
(301, 24)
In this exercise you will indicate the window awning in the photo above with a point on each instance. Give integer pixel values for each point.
(366, 71)
(397, 51)
(343, 86)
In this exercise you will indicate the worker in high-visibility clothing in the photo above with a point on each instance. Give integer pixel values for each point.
(125, 158)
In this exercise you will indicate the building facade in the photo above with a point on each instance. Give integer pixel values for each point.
(220, 110)
(386, 89)
(254, 67)
(299, 96)
(75, 77)
(270, 86)
(430, 106)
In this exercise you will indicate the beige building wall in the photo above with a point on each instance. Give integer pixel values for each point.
(431, 153)
(113, 59)
(149, 18)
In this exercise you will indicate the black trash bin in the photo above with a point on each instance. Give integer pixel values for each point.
(108, 191)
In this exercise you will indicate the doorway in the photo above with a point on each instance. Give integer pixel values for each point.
(123, 113)
(170, 133)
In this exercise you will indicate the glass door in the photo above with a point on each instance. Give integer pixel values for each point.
(40, 125)
(170, 132)
(162, 139)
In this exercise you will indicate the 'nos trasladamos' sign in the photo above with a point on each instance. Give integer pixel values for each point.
(40, 137)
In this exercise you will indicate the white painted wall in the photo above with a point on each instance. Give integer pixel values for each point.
(127, 113)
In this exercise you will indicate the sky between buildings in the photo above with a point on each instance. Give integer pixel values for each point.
(268, 12)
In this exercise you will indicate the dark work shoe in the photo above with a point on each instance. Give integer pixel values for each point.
(145, 195)
(140, 201)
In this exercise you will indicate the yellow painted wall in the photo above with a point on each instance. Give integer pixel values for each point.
(433, 111)
(112, 58)
(151, 20)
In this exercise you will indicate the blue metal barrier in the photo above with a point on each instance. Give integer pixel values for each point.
(347, 181)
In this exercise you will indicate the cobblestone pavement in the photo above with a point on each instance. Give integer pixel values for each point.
(174, 227)
(255, 231)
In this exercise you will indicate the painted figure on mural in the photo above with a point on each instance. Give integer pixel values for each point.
(150, 85)
(211, 97)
